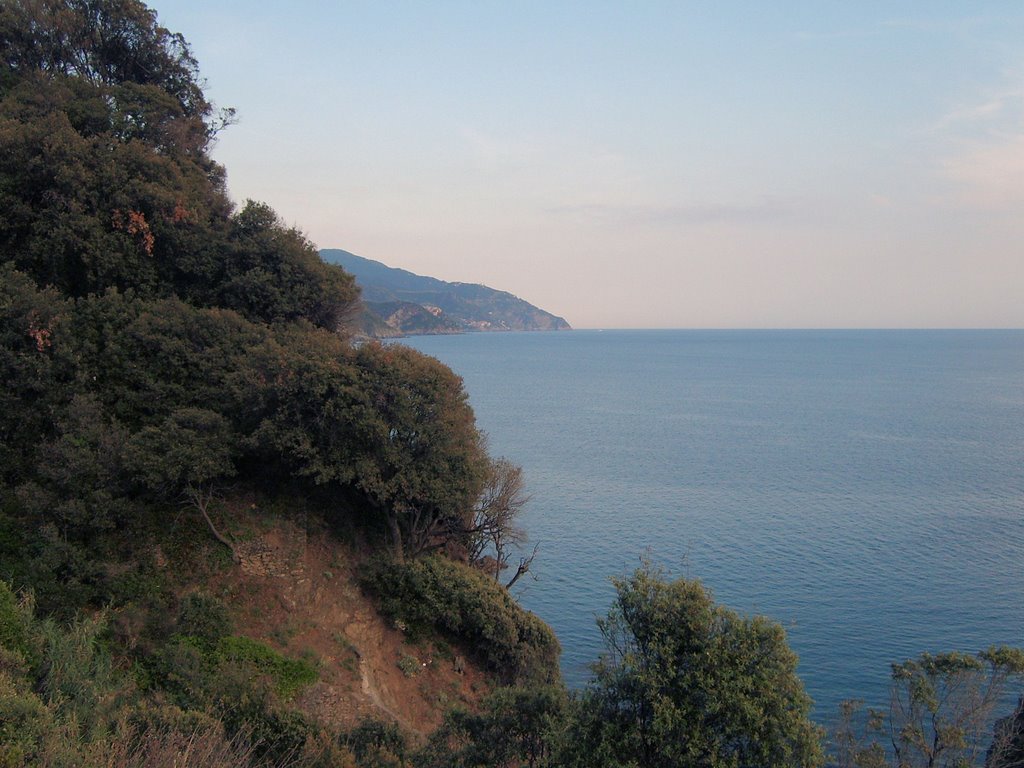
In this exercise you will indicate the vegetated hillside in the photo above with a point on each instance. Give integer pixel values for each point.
(229, 537)
(198, 470)
(406, 303)
(298, 589)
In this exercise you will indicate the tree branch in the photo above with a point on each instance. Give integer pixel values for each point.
(201, 498)
(524, 567)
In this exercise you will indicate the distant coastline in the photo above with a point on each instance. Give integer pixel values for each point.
(398, 303)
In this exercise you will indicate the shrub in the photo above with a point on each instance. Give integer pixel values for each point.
(79, 679)
(409, 665)
(686, 682)
(15, 618)
(202, 746)
(204, 618)
(289, 676)
(24, 721)
(513, 726)
(434, 593)
(376, 744)
(240, 681)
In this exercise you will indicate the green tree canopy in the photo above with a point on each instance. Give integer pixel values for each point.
(421, 459)
(105, 179)
(108, 44)
(686, 682)
(196, 394)
(30, 368)
(155, 341)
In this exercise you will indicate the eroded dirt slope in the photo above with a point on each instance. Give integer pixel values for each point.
(297, 589)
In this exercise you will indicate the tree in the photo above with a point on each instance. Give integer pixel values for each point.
(940, 714)
(419, 458)
(686, 682)
(106, 181)
(495, 514)
(273, 273)
(81, 485)
(30, 368)
(186, 456)
(106, 43)
(1007, 750)
(104, 129)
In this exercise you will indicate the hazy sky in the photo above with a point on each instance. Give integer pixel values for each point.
(644, 164)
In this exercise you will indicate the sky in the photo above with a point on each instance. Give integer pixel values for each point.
(820, 164)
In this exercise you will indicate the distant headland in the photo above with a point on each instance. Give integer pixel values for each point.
(397, 302)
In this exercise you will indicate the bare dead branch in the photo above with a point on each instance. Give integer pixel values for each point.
(524, 567)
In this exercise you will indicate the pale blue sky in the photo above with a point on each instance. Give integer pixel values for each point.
(644, 164)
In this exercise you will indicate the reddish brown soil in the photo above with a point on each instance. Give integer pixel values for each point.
(297, 590)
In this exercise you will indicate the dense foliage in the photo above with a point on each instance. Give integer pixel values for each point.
(158, 345)
(105, 180)
(686, 682)
(435, 593)
(65, 702)
(521, 726)
(155, 341)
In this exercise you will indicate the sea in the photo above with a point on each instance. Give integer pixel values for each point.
(863, 488)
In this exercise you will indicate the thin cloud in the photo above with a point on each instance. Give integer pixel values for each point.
(984, 155)
(989, 175)
(989, 109)
(490, 152)
(974, 113)
(896, 25)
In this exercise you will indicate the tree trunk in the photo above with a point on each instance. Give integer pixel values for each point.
(201, 499)
(397, 551)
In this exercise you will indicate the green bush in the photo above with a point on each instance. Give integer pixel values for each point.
(289, 676)
(409, 665)
(205, 618)
(434, 593)
(80, 680)
(240, 682)
(512, 726)
(24, 721)
(15, 619)
(376, 744)
(200, 673)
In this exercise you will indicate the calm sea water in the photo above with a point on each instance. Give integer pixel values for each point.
(864, 488)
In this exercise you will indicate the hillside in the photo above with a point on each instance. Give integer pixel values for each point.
(220, 519)
(297, 588)
(233, 537)
(399, 302)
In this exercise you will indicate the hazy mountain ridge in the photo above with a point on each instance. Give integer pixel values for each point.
(400, 302)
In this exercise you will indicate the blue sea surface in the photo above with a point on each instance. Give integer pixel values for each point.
(863, 488)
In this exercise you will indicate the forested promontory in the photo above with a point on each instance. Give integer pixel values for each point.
(232, 536)
(199, 470)
(397, 302)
